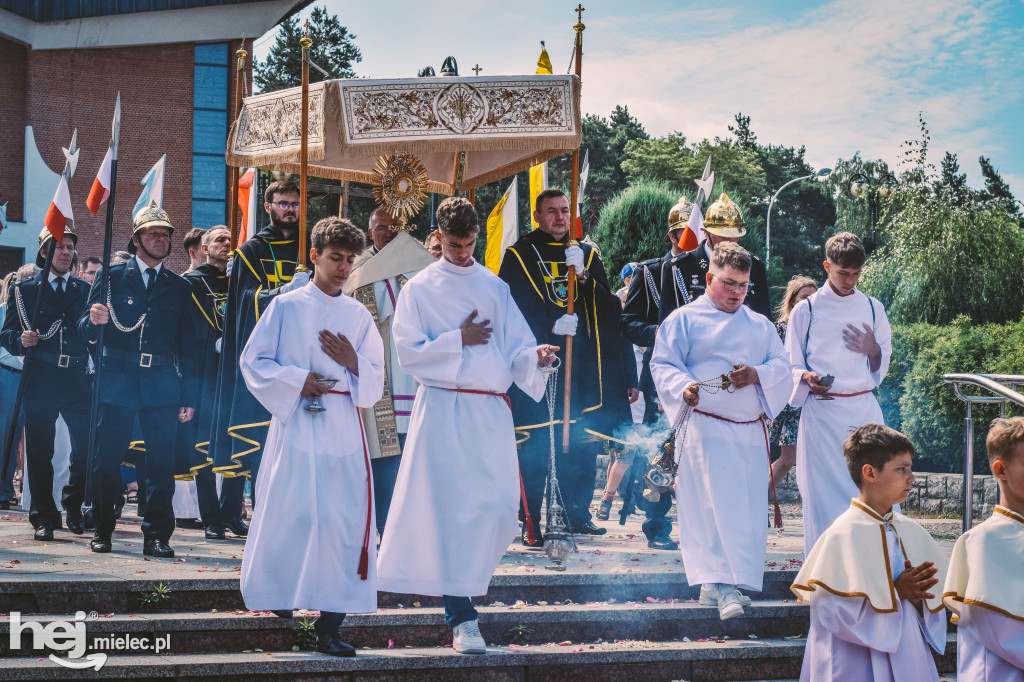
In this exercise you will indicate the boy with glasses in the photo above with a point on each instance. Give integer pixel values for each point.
(722, 446)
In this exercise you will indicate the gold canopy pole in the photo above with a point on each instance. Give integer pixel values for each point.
(239, 88)
(306, 42)
(570, 304)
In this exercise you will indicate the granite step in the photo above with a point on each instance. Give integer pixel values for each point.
(622, 661)
(233, 631)
(61, 593)
(650, 661)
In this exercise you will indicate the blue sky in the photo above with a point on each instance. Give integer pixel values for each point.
(836, 76)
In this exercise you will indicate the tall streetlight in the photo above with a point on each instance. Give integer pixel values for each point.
(768, 227)
(874, 190)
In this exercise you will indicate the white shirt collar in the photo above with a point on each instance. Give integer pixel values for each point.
(143, 267)
(66, 276)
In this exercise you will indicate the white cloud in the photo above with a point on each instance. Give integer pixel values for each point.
(838, 77)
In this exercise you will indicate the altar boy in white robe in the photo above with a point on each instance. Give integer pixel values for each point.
(454, 513)
(984, 586)
(843, 333)
(871, 576)
(723, 450)
(310, 544)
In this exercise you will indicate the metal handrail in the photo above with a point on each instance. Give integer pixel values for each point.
(1003, 386)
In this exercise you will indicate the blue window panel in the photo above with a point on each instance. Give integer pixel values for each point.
(209, 132)
(209, 177)
(211, 87)
(206, 214)
(212, 53)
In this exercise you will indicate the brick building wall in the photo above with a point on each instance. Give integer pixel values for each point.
(65, 89)
(13, 73)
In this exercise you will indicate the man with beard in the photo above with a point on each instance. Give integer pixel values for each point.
(57, 380)
(604, 371)
(209, 300)
(378, 276)
(149, 373)
(263, 268)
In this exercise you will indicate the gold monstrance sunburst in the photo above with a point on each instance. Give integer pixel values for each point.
(399, 185)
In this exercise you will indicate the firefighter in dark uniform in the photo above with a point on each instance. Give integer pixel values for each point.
(57, 380)
(149, 372)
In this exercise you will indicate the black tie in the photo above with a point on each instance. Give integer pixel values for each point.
(151, 275)
(59, 287)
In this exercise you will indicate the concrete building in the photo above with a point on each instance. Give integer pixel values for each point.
(173, 61)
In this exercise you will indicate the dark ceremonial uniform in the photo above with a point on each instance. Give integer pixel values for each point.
(209, 303)
(149, 371)
(603, 368)
(57, 384)
(261, 266)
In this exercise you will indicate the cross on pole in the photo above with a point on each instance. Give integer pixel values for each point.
(476, 69)
(580, 9)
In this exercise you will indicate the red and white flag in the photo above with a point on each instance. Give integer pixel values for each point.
(246, 203)
(101, 185)
(59, 214)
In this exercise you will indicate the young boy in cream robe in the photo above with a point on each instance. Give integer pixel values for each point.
(310, 545)
(840, 332)
(870, 576)
(985, 584)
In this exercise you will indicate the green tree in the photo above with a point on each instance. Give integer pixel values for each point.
(632, 225)
(745, 137)
(996, 189)
(940, 260)
(333, 50)
(952, 183)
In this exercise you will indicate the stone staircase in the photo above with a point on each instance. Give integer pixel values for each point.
(543, 626)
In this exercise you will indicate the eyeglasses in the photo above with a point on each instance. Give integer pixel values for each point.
(738, 287)
(294, 205)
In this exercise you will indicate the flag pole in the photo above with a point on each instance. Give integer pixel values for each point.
(570, 304)
(69, 170)
(239, 88)
(306, 42)
(104, 284)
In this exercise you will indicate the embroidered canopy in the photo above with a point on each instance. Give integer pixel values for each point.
(503, 125)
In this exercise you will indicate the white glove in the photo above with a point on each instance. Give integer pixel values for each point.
(231, 263)
(574, 258)
(566, 325)
(299, 280)
(218, 343)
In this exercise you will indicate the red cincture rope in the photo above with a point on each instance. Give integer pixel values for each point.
(522, 488)
(850, 395)
(764, 428)
(364, 556)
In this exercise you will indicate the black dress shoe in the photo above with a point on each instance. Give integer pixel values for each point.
(76, 522)
(190, 524)
(100, 545)
(5, 504)
(283, 613)
(327, 639)
(662, 543)
(237, 526)
(588, 528)
(158, 548)
(538, 540)
(90, 524)
(44, 532)
(215, 532)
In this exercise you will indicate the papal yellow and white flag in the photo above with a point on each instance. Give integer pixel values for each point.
(502, 227)
(539, 173)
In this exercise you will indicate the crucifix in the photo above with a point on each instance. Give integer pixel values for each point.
(476, 69)
(580, 9)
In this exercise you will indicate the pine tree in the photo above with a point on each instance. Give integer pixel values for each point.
(996, 189)
(952, 183)
(745, 137)
(333, 50)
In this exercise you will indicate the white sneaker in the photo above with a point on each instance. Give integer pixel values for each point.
(709, 596)
(468, 640)
(729, 603)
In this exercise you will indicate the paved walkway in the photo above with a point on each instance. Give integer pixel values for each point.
(623, 550)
